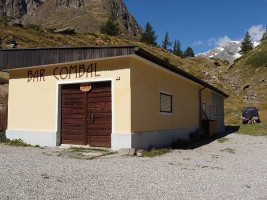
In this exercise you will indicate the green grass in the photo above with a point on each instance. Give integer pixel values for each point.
(81, 149)
(15, 142)
(156, 152)
(229, 150)
(259, 129)
(222, 140)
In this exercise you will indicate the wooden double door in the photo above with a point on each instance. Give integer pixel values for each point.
(86, 117)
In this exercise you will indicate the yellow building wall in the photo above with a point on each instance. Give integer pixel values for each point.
(146, 84)
(33, 104)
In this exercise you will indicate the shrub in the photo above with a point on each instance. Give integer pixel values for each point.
(110, 27)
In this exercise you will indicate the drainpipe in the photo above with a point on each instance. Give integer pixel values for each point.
(200, 107)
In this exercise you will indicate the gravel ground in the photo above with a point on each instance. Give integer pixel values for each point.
(235, 169)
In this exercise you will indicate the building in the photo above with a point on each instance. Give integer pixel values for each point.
(115, 96)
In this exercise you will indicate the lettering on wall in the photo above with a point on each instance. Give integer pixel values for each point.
(63, 73)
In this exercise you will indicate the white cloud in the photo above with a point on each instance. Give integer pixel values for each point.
(212, 42)
(198, 43)
(256, 32)
(221, 42)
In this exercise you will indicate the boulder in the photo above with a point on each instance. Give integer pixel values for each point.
(127, 152)
(140, 153)
(67, 30)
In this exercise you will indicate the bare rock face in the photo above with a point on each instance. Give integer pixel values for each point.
(84, 15)
(18, 8)
(70, 3)
(120, 12)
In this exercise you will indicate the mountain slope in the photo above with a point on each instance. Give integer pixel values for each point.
(248, 70)
(32, 36)
(84, 15)
(248, 75)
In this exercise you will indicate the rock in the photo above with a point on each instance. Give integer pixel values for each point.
(70, 4)
(127, 151)
(17, 9)
(67, 30)
(140, 153)
(15, 22)
(216, 63)
(215, 77)
(262, 80)
(13, 45)
(245, 86)
(87, 17)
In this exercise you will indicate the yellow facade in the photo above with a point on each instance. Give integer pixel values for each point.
(147, 81)
(35, 105)
(136, 96)
(34, 102)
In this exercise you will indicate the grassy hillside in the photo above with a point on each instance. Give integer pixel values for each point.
(248, 78)
(251, 67)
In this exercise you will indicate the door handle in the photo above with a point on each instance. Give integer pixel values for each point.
(92, 118)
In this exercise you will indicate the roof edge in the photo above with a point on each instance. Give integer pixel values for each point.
(146, 55)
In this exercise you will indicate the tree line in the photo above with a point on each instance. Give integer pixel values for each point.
(149, 37)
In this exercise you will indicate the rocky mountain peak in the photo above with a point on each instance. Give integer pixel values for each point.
(84, 15)
(228, 52)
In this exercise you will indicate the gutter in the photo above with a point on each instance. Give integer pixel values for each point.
(200, 106)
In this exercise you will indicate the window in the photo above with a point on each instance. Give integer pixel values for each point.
(214, 110)
(221, 111)
(204, 107)
(165, 103)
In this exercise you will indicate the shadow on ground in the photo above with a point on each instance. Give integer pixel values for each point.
(205, 140)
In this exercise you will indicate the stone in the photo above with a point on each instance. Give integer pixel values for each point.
(245, 86)
(262, 80)
(216, 63)
(140, 153)
(15, 22)
(127, 151)
(67, 30)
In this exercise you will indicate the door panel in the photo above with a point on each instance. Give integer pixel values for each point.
(71, 114)
(99, 114)
(98, 119)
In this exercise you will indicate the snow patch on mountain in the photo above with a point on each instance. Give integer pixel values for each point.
(228, 49)
(229, 52)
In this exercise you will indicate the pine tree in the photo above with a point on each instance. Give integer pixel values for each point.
(149, 36)
(110, 27)
(264, 36)
(246, 44)
(166, 42)
(188, 53)
(177, 48)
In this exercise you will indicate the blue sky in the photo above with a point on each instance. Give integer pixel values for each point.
(201, 24)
